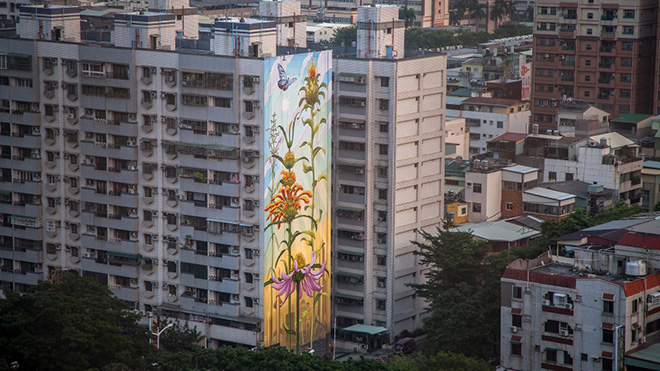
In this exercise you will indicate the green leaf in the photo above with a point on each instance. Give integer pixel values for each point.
(318, 296)
(307, 168)
(269, 282)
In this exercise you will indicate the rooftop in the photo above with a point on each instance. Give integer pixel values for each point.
(499, 230)
(615, 140)
(508, 137)
(646, 358)
(576, 187)
(652, 164)
(567, 270)
(463, 92)
(549, 194)
(631, 117)
(520, 169)
(493, 101)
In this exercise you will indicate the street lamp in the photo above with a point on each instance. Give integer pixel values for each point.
(158, 335)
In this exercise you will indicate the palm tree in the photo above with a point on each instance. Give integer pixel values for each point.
(408, 15)
(500, 9)
(479, 12)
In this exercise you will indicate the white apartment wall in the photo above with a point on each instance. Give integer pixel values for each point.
(373, 37)
(189, 26)
(224, 42)
(28, 26)
(490, 197)
(283, 12)
(124, 34)
(455, 133)
(511, 122)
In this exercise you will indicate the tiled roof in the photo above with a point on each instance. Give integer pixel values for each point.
(509, 137)
(492, 101)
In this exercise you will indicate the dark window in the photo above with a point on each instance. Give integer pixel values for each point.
(476, 187)
(516, 320)
(551, 355)
(608, 306)
(516, 349)
(517, 292)
(608, 336)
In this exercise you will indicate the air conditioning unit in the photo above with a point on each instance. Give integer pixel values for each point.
(514, 329)
(562, 57)
(255, 203)
(154, 95)
(155, 236)
(256, 253)
(546, 302)
(256, 276)
(142, 313)
(563, 332)
(255, 301)
(131, 142)
(64, 86)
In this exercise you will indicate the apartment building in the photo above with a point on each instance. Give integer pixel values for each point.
(487, 118)
(389, 177)
(608, 159)
(600, 52)
(429, 13)
(596, 310)
(141, 166)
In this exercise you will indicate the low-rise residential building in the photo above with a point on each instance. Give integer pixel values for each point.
(547, 204)
(632, 126)
(593, 198)
(577, 118)
(557, 315)
(507, 146)
(483, 190)
(609, 159)
(487, 118)
(515, 181)
(650, 184)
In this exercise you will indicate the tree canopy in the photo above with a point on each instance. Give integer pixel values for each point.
(73, 325)
(344, 35)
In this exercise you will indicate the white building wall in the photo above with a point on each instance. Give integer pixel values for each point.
(490, 197)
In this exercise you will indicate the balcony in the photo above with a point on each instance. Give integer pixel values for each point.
(128, 129)
(212, 307)
(605, 64)
(219, 261)
(102, 266)
(112, 198)
(128, 153)
(608, 17)
(351, 198)
(350, 242)
(125, 293)
(116, 245)
(606, 49)
(604, 80)
(116, 175)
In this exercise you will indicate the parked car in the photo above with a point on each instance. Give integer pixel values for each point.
(404, 346)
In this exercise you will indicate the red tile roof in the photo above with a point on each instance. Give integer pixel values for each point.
(637, 286)
(538, 277)
(639, 240)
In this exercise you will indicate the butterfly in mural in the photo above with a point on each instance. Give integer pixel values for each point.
(284, 82)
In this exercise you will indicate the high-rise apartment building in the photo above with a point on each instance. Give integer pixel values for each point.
(601, 52)
(141, 165)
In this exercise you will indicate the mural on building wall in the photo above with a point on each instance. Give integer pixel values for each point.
(297, 193)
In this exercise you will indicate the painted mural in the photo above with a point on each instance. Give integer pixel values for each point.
(297, 213)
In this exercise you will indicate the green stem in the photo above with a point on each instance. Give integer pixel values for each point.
(297, 317)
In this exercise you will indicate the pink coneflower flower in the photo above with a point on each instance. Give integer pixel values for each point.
(304, 276)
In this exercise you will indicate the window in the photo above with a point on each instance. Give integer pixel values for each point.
(382, 149)
(628, 14)
(3, 61)
(249, 254)
(148, 286)
(551, 355)
(384, 82)
(607, 364)
(249, 302)
(568, 359)
(634, 306)
(381, 260)
(589, 31)
(382, 194)
(476, 187)
(516, 320)
(588, 47)
(552, 176)
(608, 336)
(590, 15)
(476, 207)
(587, 62)
(584, 357)
(587, 93)
(221, 102)
(509, 205)
(569, 176)
(626, 62)
(587, 78)
(628, 30)
(383, 128)
(516, 349)
(249, 278)
(624, 93)
(517, 292)
(608, 306)
(627, 46)
(500, 125)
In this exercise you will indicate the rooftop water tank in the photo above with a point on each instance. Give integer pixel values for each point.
(636, 268)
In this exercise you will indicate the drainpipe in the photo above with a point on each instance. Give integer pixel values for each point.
(616, 347)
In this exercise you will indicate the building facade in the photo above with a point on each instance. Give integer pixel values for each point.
(600, 52)
(142, 167)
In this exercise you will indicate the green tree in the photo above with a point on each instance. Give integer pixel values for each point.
(452, 258)
(344, 36)
(73, 325)
(442, 361)
(510, 29)
(180, 338)
(408, 15)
